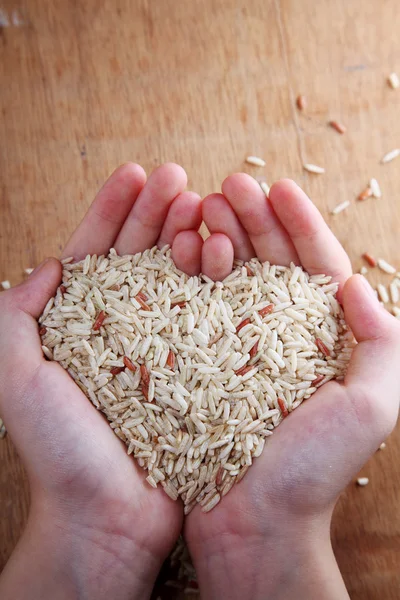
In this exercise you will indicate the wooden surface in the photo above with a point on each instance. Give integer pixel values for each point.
(88, 85)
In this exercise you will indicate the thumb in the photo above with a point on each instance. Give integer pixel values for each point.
(20, 307)
(32, 295)
(373, 374)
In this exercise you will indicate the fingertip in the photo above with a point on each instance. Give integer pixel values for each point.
(184, 215)
(50, 269)
(186, 252)
(279, 189)
(130, 170)
(217, 256)
(318, 249)
(237, 184)
(186, 206)
(33, 294)
(144, 224)
(286, 192)
(107, 213)
(357, 289)
(220, 217)
(190, 208)
(210, 201)
(364, 314)
(125, 179)
(191, 196)
(213, 205)
(170, 176)
(189, 201)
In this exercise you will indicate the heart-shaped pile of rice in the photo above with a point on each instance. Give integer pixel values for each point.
(194, 375)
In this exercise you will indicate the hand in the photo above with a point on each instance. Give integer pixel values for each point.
(269, 537)
(96, 528)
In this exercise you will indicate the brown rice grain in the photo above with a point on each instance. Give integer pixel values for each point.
(301, 102)
(339, 127)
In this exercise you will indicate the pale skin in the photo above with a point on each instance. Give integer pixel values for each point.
(96, 529)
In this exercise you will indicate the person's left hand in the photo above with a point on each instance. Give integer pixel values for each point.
(96, 528)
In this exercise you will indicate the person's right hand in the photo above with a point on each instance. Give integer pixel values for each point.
(269, 537)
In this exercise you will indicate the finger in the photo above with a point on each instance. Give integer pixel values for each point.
(373, 370)
(217, 257)
(184, 214)
(105, 217)
(267, 235)
(186, 252)
(146, 219)
(318, 249)
(32, 295)
(20, 307)
(220, 217)
(377, 332)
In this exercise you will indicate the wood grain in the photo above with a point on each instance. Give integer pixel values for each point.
(88, 85)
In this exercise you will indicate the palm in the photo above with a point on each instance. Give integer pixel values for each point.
(86, 462)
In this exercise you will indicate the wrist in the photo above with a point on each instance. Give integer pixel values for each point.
(54, 560)
(292, 561)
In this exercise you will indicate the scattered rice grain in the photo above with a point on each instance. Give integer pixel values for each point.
(385, 266)
(313, 168)
(391, 155)
(394, 292)
(265, 188)
(394, 81)
(301, 102)
(375, 188)
(369, 259)
(339, 127)
(256, 161)
(366, 193)
(340, 207)
(382, 293)
(362, 481)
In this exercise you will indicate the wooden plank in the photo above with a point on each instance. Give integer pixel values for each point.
(204, 84)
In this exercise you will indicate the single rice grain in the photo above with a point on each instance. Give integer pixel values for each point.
(362, 481)
(340, 207)
(301, 102)
(394, 81)
(382, 293)
(385, 266)
(390, 155)
(313, 168)
(375, 188)
(255, 161)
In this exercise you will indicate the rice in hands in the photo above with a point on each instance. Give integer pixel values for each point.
(194, 375)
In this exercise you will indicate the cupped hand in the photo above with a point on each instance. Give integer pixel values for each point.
(275, 523)
(91, 507)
